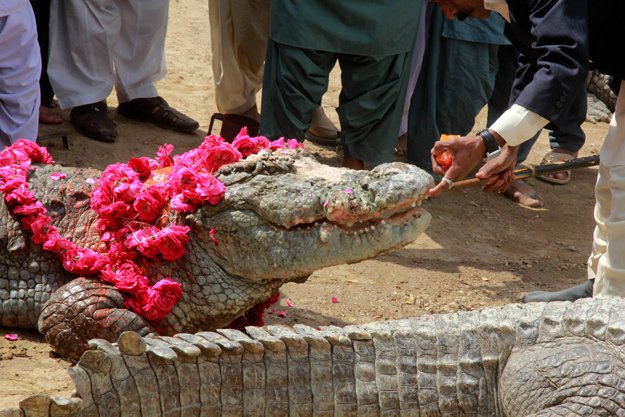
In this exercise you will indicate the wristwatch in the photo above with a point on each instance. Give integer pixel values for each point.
(492, 149)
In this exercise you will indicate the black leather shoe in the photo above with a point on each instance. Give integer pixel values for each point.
(93, 121)
(156, 111)
(570, 294)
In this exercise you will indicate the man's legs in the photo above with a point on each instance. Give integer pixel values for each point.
(239, 31)
(82, 36)
(606, 264)
(80, 67)
(19, 77)
(370, 106)
(294, 83)
(139, 57)
(139, 50)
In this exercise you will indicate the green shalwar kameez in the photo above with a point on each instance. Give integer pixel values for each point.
(372, 40)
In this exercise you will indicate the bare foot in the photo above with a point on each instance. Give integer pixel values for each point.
(560, 177)
(351, 162)
(401, 147)
(49, 115)
(522, 193)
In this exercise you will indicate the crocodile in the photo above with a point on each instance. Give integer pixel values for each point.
(284, 216)
(601, 97)
(536, 359)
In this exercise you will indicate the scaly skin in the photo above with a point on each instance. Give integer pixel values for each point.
(283, 217)
(537, 359)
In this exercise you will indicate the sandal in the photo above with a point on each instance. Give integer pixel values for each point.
(557, 156)
(156, 111)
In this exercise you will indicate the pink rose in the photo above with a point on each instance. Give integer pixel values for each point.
(83, 262)
(161, 298)
(149, 203)
(141, 166)
(35, 208)
(35, 152)
(220, 155)
(145, 240)
(41, 229)
(163, 155)
(126, 277)
(173, 241)
(210, 189)
(19, 195)
(249, 146)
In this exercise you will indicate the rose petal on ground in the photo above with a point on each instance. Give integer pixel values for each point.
(290, 303)
(335, 300)
(11, 336)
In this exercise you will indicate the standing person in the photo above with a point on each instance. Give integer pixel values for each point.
(20, 67)
(371, 40)
(48, 111)
(565, 141)
(239, 31)
(98, 45)
(556, 39)
(455, 82)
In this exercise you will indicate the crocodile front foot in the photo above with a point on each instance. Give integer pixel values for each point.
(85, 309)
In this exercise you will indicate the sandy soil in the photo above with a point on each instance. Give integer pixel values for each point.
(480, 250)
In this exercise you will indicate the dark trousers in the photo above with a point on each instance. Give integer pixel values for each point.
(373, 90)
(41, 9)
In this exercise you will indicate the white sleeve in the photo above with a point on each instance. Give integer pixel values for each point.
(518, 124)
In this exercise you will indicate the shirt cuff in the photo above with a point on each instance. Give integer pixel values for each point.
(518, 124)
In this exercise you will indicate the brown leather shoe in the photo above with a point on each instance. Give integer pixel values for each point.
(155, 110)
(93, 121)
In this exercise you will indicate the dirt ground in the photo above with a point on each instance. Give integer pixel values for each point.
(480, 250)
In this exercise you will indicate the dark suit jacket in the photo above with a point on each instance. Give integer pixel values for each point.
(606, 33)
(552, 37)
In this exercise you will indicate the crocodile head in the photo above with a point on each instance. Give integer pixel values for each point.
(285, 215)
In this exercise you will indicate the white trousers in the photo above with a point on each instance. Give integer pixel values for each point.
(239, 31)
(96, 45)
(20, 69)
(606, 263)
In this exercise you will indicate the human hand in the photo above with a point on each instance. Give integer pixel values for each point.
(498, 173)
(466, 152)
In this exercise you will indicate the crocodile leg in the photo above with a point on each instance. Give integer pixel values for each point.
(569, 377)
(82, 310)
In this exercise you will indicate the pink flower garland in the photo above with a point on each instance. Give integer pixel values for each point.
(132, 201)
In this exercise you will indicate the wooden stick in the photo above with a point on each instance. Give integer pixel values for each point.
(525, 171)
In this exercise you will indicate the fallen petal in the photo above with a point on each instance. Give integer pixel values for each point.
(57, 176)
(335, 300)
(290, 303)
(11, 336)
(282, 313)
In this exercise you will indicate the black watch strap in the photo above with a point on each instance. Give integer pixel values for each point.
(489, 141)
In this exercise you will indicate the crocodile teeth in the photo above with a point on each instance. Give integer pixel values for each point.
(324, 233)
